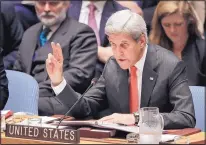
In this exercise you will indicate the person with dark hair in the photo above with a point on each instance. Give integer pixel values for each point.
(176, 27)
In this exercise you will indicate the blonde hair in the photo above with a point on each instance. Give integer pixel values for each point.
(165, 8)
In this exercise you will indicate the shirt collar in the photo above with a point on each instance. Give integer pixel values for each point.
(99, 5)
(140, 64)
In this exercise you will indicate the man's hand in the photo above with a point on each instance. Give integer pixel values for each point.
(104, 53)
(127, 119)
(54, 64)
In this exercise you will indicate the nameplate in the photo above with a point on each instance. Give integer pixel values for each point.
(43, 133)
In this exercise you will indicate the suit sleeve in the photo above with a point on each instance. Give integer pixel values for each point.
(182, 115)
(4, 93)
(13, 35)
(94, 101)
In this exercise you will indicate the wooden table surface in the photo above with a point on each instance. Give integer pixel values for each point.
(196, 138)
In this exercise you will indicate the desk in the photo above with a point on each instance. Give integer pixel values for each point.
(196, 138)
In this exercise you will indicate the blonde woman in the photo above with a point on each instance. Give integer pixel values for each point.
(176, 26)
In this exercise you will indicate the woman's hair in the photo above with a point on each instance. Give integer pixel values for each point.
(165, 8)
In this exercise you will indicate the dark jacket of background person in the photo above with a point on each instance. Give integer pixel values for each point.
(194, 56)
(4, 93)
(11, 33)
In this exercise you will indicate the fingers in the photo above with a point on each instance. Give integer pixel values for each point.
(49, 63)
(57, 52)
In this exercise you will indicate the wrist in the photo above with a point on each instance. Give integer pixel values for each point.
(57, 83)
(136, 117)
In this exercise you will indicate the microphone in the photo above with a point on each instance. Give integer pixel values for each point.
(93, 82)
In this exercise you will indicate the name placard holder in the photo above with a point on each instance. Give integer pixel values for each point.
(43, 133)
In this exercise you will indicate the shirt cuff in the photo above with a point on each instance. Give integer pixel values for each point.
(58, 89)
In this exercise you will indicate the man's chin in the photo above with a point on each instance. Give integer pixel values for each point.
(124, 66)
(49, 22)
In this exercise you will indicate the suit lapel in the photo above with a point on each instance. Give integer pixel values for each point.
(74, 9)
(123, 90)
(33, 45)
(60, 32)
(149, 76)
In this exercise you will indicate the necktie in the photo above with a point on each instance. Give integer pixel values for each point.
(92, 21)
(43, 36)
(134, 98)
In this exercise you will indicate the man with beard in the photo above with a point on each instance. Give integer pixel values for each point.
(78, 44)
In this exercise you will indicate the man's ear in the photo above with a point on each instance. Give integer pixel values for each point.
(142, 40)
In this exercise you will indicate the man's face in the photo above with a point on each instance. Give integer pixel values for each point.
(51, 12)
(126, 50)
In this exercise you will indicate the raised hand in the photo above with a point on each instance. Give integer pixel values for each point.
(54, 64)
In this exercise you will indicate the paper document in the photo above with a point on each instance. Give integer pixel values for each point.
(100, 124)
(168, 137)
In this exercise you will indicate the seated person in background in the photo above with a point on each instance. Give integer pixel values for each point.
(4, 93)
(11, 33)
(79, 47)
(95, 14)
(139, 75)
(175, 27)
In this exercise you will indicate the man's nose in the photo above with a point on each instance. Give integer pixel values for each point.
(47, 7)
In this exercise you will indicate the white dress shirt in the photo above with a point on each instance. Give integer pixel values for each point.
(84, 13)
(139, 65)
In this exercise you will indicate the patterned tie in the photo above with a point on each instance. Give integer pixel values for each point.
(134, 98)
(43, 36)
(92, 21)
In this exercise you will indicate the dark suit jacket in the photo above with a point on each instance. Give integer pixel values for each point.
(168, 90)
(194, 56)
(111, 6)
(11, 33)
(79, 48)
(4, 93)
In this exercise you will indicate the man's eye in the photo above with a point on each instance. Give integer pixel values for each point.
(166, 25)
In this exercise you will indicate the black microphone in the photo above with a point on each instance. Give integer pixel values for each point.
(93, 82)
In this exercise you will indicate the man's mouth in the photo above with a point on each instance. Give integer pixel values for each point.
(121, 60)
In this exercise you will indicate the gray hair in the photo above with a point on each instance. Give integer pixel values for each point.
(126, 21)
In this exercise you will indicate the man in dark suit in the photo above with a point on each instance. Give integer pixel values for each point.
(11, 33)
(139, 75)
(82, 11)
(78, 45)
(4, 93)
